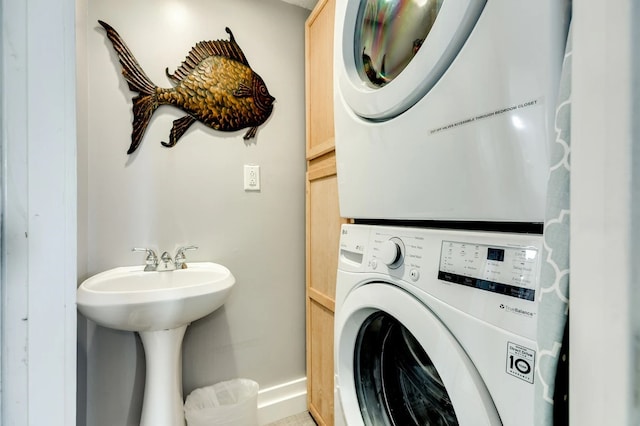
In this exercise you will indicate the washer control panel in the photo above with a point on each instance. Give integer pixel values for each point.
(505, 270)
(491, 276)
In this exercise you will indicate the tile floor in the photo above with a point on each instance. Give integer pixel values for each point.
(302, 419)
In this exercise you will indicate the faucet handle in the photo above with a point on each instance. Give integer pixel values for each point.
(151, 261)
(180, 259)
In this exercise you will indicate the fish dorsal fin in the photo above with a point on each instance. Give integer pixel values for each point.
(204, 49)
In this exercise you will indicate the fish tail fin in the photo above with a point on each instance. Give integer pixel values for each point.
(143, 107)
(131, 69)
(146, 102)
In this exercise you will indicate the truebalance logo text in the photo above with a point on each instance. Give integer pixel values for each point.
(518, 311)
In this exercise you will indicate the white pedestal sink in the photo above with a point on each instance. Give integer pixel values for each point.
(159, 306)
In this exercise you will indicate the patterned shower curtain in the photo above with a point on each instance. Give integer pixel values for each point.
(554, 298)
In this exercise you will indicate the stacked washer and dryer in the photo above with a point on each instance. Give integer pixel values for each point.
(443, 117)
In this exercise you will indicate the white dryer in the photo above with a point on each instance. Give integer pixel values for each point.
(444, 109)
(435, 327)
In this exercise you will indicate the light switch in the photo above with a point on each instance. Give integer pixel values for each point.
(251, 177)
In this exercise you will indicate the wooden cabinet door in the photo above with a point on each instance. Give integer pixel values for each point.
(319, 79)
(323, 238)
(323, 217)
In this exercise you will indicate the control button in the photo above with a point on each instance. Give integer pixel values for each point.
(374, 264)
(414, 274)
(390, 252)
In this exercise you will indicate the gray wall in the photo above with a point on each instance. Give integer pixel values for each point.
(193, 194)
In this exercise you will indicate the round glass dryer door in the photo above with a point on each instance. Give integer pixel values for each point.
(388, 35)
(390, 53)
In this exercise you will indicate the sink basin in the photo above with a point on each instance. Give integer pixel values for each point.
(159, 306)
(128, 298)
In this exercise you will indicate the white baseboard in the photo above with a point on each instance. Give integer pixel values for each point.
(280, 401)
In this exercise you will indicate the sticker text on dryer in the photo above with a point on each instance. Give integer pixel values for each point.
(486, 115)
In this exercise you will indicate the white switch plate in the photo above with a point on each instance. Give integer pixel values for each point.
(251, 177)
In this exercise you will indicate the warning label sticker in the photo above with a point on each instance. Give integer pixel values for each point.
(520, 361)
(486, 115)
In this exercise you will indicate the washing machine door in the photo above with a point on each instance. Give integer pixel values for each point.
(390, 53)
(397, 364)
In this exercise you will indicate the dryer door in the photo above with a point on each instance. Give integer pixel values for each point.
(390, 53)
(397, 364)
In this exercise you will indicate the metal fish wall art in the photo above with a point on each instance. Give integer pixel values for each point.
(214, 85)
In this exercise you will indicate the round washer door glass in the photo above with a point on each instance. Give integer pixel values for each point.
(396, 381)
(388, 35)
(387, 344)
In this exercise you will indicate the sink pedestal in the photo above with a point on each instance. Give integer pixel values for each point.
(163, 404)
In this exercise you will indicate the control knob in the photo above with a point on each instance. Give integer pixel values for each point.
(391, 252)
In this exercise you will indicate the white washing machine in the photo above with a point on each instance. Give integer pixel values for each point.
(435, 327)
(444, 109)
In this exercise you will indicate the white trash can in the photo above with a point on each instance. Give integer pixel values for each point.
(230, 403)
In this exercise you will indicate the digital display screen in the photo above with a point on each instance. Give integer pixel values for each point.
(495, 254)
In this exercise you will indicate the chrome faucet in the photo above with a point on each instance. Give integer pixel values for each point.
(165, 263)
(151, 261)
